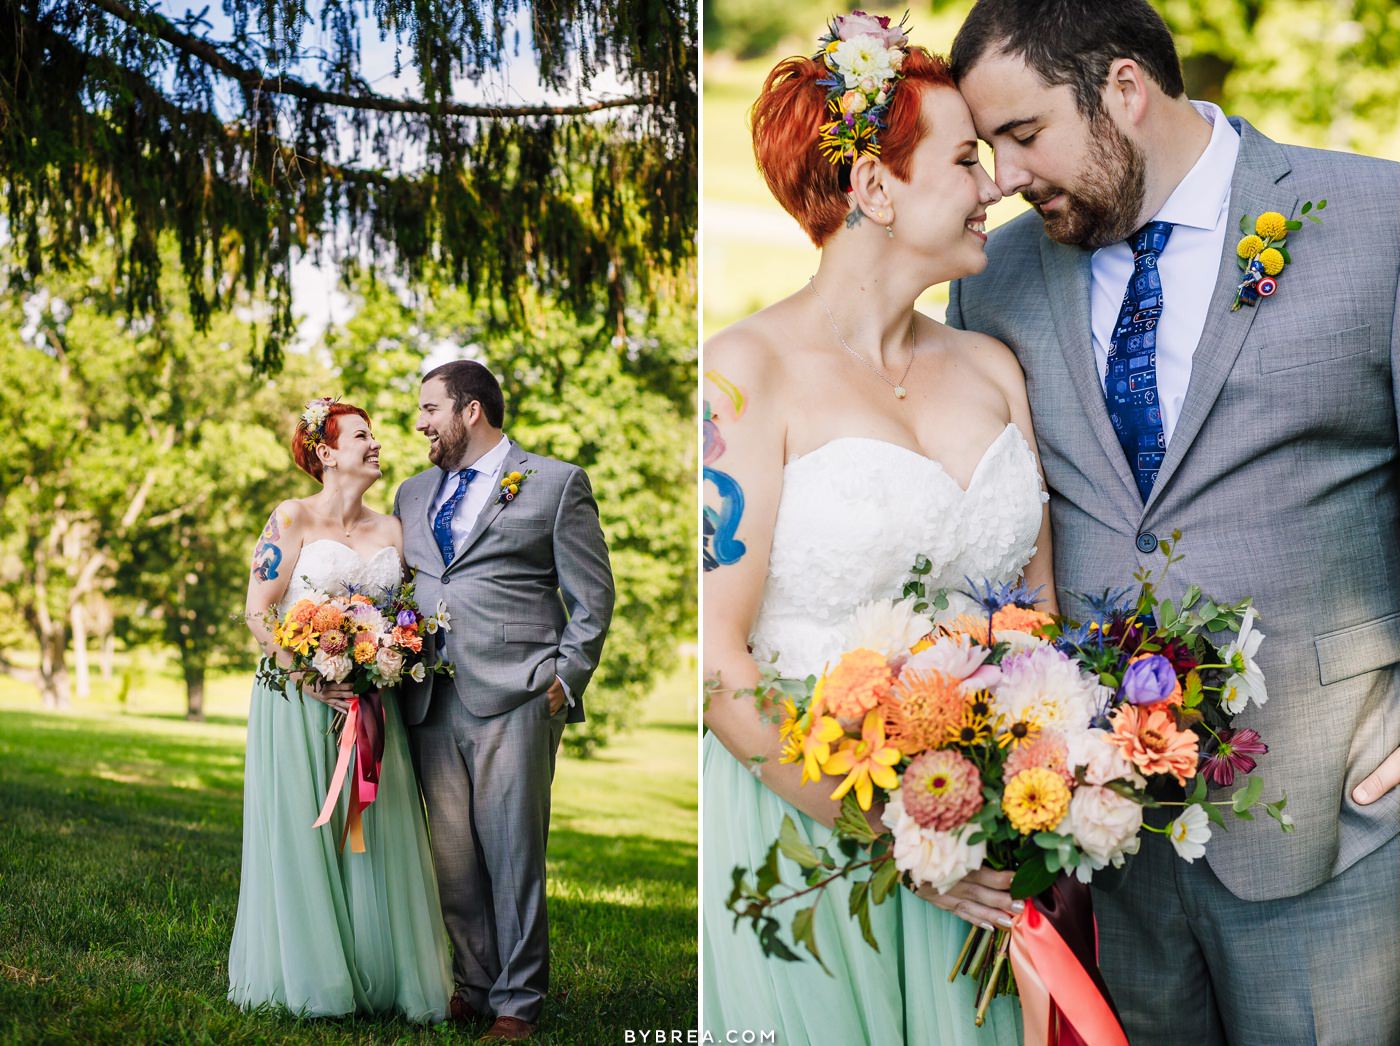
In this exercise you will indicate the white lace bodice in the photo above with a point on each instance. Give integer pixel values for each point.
(854, 516)
(329, 568)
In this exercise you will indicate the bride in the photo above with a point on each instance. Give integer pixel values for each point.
(847, 434)
(323, 931)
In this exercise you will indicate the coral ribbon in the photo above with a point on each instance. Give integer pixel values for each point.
(362, 736)
(1062, 1002)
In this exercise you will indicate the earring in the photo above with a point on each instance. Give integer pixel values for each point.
(889, 230)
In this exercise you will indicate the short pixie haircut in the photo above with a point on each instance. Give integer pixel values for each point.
(305, 456)
(785, 119)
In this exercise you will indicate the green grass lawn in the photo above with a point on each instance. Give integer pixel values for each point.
(120, 837)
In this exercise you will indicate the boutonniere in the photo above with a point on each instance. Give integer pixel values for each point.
(1263, 253)
(511, 483)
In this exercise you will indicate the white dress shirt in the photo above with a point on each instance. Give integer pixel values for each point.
(485, 487)
(1199, 210)
(479, 492)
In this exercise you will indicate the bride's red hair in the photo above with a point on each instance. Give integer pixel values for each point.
(785, 119)
(304, 456)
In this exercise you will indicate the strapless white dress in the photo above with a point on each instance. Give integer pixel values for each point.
(853, 517)
(320, 931)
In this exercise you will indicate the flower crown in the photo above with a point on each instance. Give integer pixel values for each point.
(863, 55)
(314, 418)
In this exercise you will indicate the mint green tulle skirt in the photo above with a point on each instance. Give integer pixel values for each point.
(899, 994)
(321, 932)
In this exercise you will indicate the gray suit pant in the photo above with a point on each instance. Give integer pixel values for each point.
(1188, 962)
(486, 784)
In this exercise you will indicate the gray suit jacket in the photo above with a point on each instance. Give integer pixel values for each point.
(530, 590)
(1282, 475)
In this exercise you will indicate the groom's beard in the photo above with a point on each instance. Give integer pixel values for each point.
(1104, 208)
(451, 445)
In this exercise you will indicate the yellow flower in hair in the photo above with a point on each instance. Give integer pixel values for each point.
(1272, 260)
(1271, 225)
(1249, 247)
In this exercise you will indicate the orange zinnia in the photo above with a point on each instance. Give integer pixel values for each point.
(1150, 738)
(859, 682)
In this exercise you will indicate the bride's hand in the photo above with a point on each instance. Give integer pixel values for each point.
(981, 898)
(336, 695)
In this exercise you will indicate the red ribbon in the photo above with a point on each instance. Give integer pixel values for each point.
(363, 736)
(1063, 1003)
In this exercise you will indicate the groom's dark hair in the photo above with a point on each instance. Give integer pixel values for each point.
(1071, 42)
(467, 380)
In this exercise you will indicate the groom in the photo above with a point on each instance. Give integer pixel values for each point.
(510, 541)
(1267, 436)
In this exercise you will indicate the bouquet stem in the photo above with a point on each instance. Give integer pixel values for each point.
(983, 957)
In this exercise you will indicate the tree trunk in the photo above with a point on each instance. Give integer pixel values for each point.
(78, 618)
(194, 687)
(107, 654)
(53, 669)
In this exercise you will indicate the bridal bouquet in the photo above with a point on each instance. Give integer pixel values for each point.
(351, 638)
(1001, 736)
(371, 645)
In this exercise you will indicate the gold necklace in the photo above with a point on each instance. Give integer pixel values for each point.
(899, 390)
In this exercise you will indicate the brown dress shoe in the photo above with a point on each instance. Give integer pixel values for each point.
(462, 1012)
(508, 1029)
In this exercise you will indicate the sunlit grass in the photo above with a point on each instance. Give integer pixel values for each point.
(119, 862)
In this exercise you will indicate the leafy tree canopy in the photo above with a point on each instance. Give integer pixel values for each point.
(120, 121)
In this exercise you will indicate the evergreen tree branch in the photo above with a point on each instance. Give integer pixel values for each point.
(210, 55)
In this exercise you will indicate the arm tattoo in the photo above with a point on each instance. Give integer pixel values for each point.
(267, 557)
(721, 524)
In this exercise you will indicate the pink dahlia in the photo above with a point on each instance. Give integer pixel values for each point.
(941, 790)
(1047, 751)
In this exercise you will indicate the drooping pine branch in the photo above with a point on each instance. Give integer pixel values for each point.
(254, 80)
(111, 133)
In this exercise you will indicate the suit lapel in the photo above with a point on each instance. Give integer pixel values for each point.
(1260, 166)
(1067, 287)
(515, 460)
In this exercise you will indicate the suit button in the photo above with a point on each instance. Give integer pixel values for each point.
(1145, 543)
(448, 580)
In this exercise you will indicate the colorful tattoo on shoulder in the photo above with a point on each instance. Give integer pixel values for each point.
(721, 523)
(267, 557)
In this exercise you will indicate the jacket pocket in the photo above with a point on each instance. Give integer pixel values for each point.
(506, 519)
(1307, 350)
(530, 633)
(1358, 649)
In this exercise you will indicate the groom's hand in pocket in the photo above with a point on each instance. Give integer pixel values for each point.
(557, 696)
(1385, 777)
(981, 898)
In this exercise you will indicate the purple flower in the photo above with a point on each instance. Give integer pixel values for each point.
(1233, 756)
(407, 619)
(1148, 680)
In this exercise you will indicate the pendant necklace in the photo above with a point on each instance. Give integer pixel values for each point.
(899, 390)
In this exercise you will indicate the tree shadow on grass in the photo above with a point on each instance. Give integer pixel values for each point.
(122, 884)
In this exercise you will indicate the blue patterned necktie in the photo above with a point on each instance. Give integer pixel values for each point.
(442, 523)
(1130, 386)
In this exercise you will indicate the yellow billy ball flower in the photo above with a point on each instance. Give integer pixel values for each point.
(1035, 800)
(1271, 225)
(1272, 260)
(1249, 247)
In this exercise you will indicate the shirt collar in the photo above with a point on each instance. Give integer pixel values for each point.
(490, 462)
(1199, 198)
